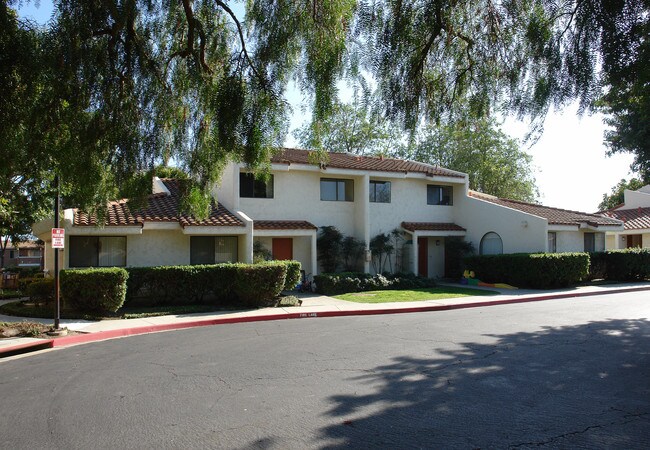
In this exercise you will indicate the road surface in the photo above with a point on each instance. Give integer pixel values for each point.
(556, 374)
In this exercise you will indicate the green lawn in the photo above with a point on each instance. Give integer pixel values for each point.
(413, 295)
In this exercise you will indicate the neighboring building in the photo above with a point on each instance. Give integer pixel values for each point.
(24, 254)
(362, 196)
(635, 214)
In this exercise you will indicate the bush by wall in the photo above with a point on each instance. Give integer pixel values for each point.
(531, 270)
(94, 290)
(41, 291)
(259, 285)
(342, 283)
(219, 284)
(621, 265)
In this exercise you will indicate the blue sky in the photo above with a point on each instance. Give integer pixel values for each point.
(571, 166)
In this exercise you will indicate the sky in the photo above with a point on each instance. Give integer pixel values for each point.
(571, 168)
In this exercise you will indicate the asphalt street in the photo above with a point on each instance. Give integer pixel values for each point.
(571, 373)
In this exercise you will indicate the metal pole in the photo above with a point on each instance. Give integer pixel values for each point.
(57, 314)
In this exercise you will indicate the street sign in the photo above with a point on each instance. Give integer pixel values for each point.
(58, 237)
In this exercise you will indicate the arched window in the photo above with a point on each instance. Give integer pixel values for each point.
(491, 244)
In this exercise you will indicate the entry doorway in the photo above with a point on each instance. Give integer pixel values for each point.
(282, 248)
(423, 257)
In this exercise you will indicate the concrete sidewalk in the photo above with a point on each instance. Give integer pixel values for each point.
(312, 306)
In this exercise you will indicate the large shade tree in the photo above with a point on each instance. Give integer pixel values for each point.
(121, 85)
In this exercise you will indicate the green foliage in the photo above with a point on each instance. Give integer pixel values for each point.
(493, 160)
(617, 195)
(351, 128)
(41, 291)
(631, 264)
(456, 249)
(381, 248)
(531, 270)
(261, 253)
(94, 290)
(352, 252)
(341, 283)
(216, 284)
(292, 278)
(330, 248)
(259, 285)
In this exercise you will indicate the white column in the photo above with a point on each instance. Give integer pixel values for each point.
(415, 252)
(365, 217)
(314, 255)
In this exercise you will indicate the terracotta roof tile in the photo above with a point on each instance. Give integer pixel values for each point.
(283, 225)
(160, 208)
(634, 219)
(554, 216)
(431, 226)
(370, 163)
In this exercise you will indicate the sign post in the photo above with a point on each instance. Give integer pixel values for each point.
(60, 243)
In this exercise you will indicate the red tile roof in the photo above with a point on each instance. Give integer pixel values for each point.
(634, 219)
(160, 208)
(431, 226)
(555, 216)
(358, 162)
(283, 225)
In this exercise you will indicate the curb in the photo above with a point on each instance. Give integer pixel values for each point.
(113, 334)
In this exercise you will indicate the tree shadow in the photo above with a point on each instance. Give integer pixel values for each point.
(575, 386)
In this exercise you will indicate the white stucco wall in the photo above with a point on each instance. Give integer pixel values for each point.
(635, 199)
(157, 248)
(225, 190)
(619, 241)
(520, 232)
(301, 249)
(409, 204)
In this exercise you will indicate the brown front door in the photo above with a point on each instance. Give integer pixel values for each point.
(423, 257)
(282, 248)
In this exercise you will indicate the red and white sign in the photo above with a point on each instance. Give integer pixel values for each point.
(58, 237)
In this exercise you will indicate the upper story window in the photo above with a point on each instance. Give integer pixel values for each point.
(380, 191)
(250, 187)
(337, 190)
(439, 195)
(97, 251)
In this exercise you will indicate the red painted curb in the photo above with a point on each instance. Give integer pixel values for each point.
(112, 334)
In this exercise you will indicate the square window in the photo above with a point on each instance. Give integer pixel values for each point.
(251, 187)
(439, 195)
(332, 189)
(380, 191)
(97, 251)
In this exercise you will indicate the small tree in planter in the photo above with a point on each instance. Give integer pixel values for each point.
(330, 248)
(381, 247)
(352, 251)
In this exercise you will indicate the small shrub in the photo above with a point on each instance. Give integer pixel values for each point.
(293, 274)
(94, 290)
(343, 283)
(41, 291)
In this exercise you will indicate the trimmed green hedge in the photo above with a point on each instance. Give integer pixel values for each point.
(631, 264)
(220, 284)
(531, 270)
(41, 291)
(345, 282)
(94, 290)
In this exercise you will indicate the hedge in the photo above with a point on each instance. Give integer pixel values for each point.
(342, 283)
(41, 290)
(621, 265)
(94, 290)
(219, 284)
(531, 270)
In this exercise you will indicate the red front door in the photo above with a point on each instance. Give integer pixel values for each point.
(282, 248)
(423, 257)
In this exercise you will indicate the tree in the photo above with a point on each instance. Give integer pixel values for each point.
(617, 197)
(494, 162)
(351, 128)
(121, 86)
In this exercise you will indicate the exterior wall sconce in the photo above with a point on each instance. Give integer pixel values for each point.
(437, 242)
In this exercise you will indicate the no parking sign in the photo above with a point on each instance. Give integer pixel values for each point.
(58, 237)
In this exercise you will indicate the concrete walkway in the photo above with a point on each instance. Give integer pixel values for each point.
(312, 306)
